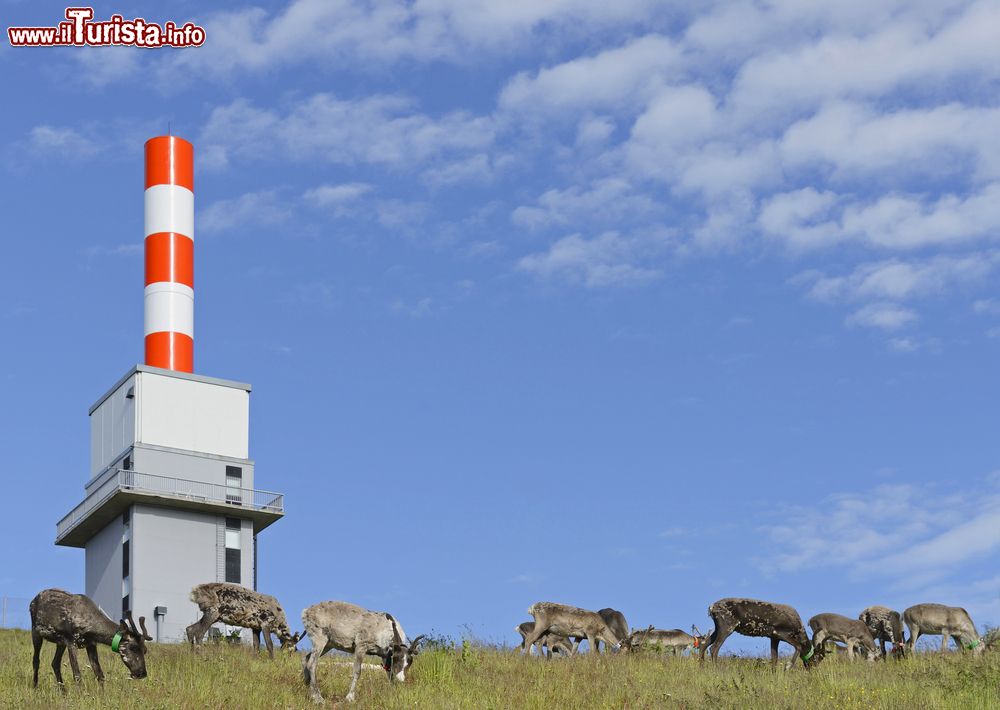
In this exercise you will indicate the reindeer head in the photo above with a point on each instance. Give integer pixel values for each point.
(130, 644)
(700, 640)
(400, 655)
(289, 640)
(813, 655)
(636, 640)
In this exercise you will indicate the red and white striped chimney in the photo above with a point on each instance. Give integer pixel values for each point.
(169, 294)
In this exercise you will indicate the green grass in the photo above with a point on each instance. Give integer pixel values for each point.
(222, 676)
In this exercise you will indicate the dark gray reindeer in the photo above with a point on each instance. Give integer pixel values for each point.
(752, 617)
(72, 621)
(238, 606)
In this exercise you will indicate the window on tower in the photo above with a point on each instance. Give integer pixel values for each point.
(234, 485)
(233, 550)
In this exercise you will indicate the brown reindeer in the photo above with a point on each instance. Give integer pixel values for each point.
(72, 621)
(238, 606)
(752, 617)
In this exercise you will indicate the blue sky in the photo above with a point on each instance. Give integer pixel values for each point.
(616, 304)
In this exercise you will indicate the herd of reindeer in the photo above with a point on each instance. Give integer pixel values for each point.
(74, 621)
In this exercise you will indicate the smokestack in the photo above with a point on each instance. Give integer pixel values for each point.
(169, 294)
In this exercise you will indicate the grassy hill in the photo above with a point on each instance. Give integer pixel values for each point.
(223, 676)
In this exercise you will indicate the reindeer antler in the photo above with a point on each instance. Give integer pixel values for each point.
(131, 623)
(142, 625)
(414, 643)
(395, 630)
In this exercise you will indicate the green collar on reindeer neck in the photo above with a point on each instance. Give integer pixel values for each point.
(812, 650)
(972, 645)
(116, 641)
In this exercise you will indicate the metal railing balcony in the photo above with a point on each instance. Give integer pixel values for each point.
(137, 485)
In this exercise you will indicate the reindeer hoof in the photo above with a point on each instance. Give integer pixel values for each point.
(349, 698)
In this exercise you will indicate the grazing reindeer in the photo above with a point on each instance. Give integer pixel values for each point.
(615, 621)
(564, 620)
(553, 642)
(885, 625)
(852, 632)
(352, 629)
(751, 617)
(238, 606)
(945, 620)
(72, 621)
(675, 641)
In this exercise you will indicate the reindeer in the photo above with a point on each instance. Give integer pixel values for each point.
(751, 617)
(553, 642)
(352, 629)
(945, 620)
(852, 632)
(675, 640)
(72, 621)
(565, 620)
(885, 625)
(238, 606)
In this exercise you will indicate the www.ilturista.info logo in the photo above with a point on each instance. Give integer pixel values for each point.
(79, 30)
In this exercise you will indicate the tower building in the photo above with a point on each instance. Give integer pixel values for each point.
(171, 499)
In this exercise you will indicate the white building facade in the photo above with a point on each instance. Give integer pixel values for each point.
(171, 501)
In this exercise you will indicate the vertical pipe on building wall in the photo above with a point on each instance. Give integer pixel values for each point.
(169, 246)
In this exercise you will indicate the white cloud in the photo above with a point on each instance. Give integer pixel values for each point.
(987, 305)
(375, 130)
(100, 66)
(593, 131)
(340, 199)
(908, 54)
(327, 195)
(250, 209)
(800, 217)
(898, 280)
(885, 316)
(475, 168)
(66, 142)
(383, 32)
(606, 260)
(908, 222)
(674, 120)
(858, 140)
(603, 82)
(607, 200)
(897, 531)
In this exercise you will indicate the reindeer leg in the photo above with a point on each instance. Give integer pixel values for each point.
(944, 640)
(73, 664)
(721, 634)
(309, 666)
(36, 641)
(532, 638)
(196, 631)
(95, 663)
(267, 640)
(358, 659)
(774, 649)
(57, 664)
(255, 640)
